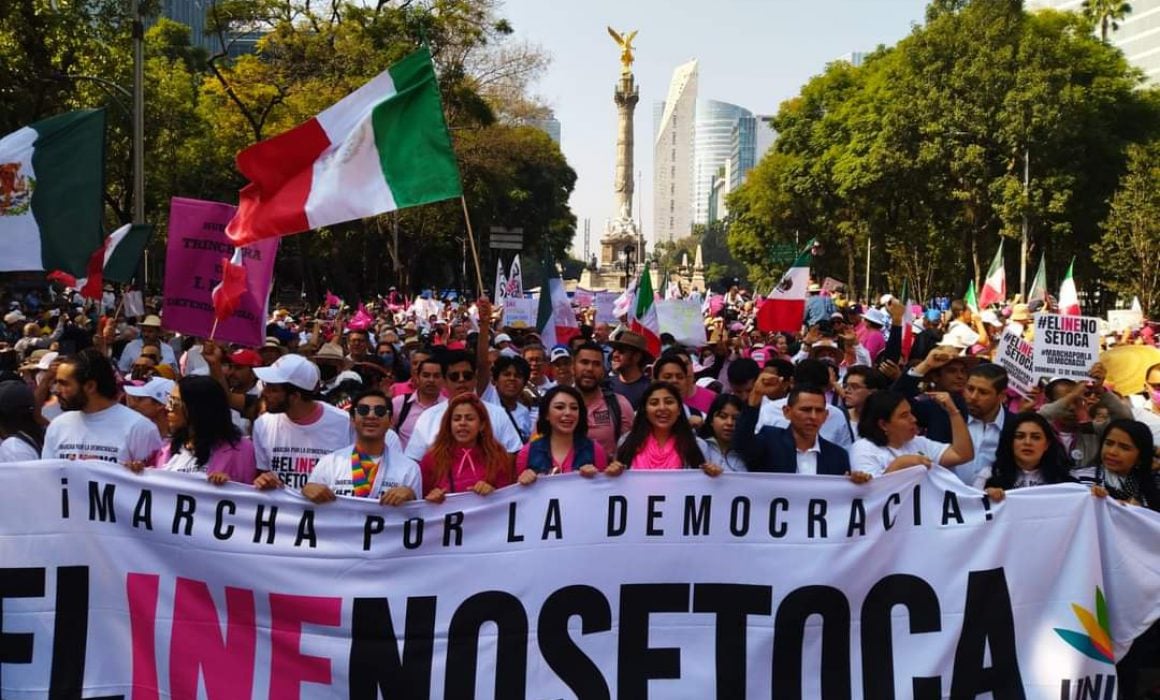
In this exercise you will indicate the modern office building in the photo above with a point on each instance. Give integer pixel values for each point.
(751, 138)
(712, 145)
(192, 14)
(673, 167)
(1138, 36)
(854, 58)
(550, 125)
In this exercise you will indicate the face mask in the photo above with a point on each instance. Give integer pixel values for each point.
(1155, 396)
(387, 358)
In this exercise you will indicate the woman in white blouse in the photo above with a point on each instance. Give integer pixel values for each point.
(890, 439)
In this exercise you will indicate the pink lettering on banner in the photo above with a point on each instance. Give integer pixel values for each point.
(196, 645)
(193, 259)
(289, 667)
(142, 592)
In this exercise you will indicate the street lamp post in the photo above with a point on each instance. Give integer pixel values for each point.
(139, 123)
(1024, 241)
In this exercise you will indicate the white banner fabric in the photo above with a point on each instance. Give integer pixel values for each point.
(657, 585)
(682, 318)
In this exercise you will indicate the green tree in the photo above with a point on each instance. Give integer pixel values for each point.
(1130, 247)
(1106, 14)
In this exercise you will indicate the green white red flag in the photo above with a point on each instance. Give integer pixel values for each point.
(784, 308)
(383, 147)
(994, 289)
(1068, 294)
(642, 317)
(1039, 284)
(555, 320)
(115, 260)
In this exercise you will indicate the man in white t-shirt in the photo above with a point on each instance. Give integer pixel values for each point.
(509, 378)
(371, 467)
(296, 430)
(459, 377)
(407, 408)
(93, 425)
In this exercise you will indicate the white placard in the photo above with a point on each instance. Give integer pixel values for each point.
(1065, 346)
(605, 303)
(1017, 357)
(519, 312)
(682, 318)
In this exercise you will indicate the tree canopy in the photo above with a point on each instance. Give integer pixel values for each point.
(918, 155)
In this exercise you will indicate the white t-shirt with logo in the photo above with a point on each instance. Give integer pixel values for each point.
(428, 427)
(15, 449)
(116, 434)
(867, 457)
(395, 469)
(291, 450)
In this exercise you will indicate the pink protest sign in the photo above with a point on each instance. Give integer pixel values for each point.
(193, 265)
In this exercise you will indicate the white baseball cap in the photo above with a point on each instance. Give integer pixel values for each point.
(502, 338)
(290, 369)
(157, 388)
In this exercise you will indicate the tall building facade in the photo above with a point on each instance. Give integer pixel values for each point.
(751, 138)
(192, 14)
(550, 125)
(673, 128)
(712, 146)
(1138, 36)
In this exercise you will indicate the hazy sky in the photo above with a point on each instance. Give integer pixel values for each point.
(754, 53)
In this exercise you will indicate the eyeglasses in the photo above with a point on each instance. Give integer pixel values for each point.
(364, 410)
(466, 376)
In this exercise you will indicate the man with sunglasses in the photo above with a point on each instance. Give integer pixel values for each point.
(370, 468)
(297, 429)
(460, 377)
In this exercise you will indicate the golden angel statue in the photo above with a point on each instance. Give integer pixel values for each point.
(625, 44)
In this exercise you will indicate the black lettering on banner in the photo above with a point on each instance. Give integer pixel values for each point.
(739, 516)
(143, 511)
(222, 531)
(183, 513)
(636, 662)
(697, 512)
(921, 603)
(70, 635)
(776, 528)
(857, 519)
(512, 535)
(511, 655)
(988, 622)
(101, 502)
(617, 516)
(553, 522)
(887, 521)
(306, 531)
(264, 525)
(23, 582)
(916, 497)
(453, 525)
(64, 498)
(373, 525)
(560, 652)
(412, 533)
(375, 666)
(654, 513)
(732, 603)
(817, 518)
(951, 508)
(789, 628)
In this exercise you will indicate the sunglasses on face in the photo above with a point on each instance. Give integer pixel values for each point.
(363, 410)
(461, 376)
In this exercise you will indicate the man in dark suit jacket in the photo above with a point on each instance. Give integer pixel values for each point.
(948, 371)
(794, 450)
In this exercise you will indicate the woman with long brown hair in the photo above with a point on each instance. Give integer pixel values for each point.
(465, 455)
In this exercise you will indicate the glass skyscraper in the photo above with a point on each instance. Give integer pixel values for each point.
(713, 127)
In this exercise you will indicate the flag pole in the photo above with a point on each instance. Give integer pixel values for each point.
(471, 238)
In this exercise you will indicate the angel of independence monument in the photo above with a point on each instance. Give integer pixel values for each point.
(621, 244)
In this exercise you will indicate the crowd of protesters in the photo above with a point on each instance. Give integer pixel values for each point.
(402, 402)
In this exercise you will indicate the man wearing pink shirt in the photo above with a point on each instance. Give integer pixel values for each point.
(406, 408)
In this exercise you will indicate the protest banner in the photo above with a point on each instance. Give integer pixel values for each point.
(1120, 320)
(682, 318)
(1017, 357)
(605, 307)
(134, 303)
(658, 585)
(1065, 346)
(583, 297)
(519, 312)
(193, 266)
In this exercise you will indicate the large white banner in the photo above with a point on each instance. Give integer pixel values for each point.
(670, 585)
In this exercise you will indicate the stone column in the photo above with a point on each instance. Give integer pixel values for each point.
(626, 97)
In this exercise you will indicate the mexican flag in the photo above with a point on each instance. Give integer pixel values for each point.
(785, 307)
(1068, 295)
(51, 184)
(969, 298)
(115, 260)
(907, 319)
(643, 314)
(1039, 284)
(994, 289)
(555, 320)
(383, 147)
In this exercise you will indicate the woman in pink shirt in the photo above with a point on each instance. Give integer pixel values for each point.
(561, 444)
(465, 455)
(661, 437)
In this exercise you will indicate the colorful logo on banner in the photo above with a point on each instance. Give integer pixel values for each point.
(1097, 643)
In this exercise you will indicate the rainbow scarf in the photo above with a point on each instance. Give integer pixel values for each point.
(363, 469)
